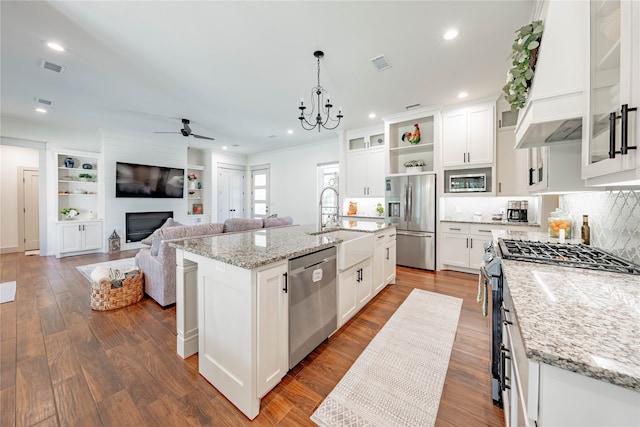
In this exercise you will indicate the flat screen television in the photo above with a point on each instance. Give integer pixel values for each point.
(133, 180)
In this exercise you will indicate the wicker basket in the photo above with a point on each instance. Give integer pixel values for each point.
(104, 297)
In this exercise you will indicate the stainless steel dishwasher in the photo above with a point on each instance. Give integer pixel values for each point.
(312, 302)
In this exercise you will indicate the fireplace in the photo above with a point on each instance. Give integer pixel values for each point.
(141, 224)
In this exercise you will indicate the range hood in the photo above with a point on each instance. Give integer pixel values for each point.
(555, 105)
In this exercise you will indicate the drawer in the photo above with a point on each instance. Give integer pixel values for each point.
(455, 227)
(391, 236)
(484, 229)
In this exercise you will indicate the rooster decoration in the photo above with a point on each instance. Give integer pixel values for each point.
(414, 137)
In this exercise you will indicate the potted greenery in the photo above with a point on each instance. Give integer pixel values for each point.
(69, 213)
(524, 56)
(85, 177)
(414, 166)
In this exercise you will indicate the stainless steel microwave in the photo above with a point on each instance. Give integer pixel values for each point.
(474, 182)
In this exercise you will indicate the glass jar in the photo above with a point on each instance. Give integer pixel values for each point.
(559, 220)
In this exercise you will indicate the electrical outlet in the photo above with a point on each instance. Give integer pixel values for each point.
(502, 210)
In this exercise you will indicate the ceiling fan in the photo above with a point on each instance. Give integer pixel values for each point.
(186, 131)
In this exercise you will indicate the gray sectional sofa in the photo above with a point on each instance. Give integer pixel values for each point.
(158, 262)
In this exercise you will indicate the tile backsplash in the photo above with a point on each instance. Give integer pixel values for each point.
(614, 219)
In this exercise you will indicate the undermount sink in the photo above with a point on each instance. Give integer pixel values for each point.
(355, 247)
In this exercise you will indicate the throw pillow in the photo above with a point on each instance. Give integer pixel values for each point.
(170, 222)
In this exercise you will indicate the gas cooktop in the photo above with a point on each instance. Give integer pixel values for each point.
(564, 254)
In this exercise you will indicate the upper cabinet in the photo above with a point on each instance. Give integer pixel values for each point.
(612, 131)
(365, 163)
(403, 144)
(468, 136)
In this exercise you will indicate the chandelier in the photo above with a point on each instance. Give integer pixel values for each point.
(314, 118)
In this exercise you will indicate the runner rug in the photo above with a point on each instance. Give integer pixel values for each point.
(124, 264)
(398, 378)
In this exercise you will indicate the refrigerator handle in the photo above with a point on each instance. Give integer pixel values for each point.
(406, 201)
(410, 202)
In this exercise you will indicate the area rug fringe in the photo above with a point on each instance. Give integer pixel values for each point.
(398, 378)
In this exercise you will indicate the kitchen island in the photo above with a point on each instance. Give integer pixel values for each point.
(579, 336)
(232, 306)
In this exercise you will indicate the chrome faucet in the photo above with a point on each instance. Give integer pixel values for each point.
(336, 215)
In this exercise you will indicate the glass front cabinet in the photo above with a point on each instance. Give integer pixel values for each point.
(612, 128)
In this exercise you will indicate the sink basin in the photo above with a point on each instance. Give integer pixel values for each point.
(355, 247)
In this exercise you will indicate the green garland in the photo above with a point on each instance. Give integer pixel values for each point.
(520, 75)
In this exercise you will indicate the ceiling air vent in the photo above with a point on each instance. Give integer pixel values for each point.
(43, 101)
(52, 67)
(381, 63)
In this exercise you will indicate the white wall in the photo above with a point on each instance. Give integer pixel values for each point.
(294, 178)
(11, 160)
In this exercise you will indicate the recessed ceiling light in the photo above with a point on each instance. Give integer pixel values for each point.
(290, 131)
(372, 115)
(463, 95)
(224, 147)
(41, 110)
(55, 46)
(451, 34)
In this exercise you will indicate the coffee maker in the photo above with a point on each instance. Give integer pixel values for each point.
(517, 210)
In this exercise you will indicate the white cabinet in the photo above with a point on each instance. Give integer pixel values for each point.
(79, 237)
(354, 290)
(468, 136)
(272, 327)
(384, 259)
(555, 168)
(614, 82)
(511, 164)
(365, 173)
(401, 150)
(379, 255)
(462, 244)
(390, 258)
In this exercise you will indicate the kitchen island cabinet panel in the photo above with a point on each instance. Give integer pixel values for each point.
(354, 290)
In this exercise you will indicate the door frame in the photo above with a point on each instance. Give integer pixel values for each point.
(41, 146)
(254, 168)
(21, 205)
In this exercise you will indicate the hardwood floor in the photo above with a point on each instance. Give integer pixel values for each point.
(62, 364)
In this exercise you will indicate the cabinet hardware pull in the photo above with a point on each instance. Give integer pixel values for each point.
(471, 239)
(507, 322)
(503, 367)
(484, 231)
(464, 157)
(456, 229)
(468, 157)
(499, 187)
(624, 122)
(612, 135)
(467, 243)
(387, 253)
(286, 283)
(530, 176)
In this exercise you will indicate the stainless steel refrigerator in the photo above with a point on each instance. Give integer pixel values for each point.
(410, 203)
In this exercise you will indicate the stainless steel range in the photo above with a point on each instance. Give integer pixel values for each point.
(569, 255)
(561, 254)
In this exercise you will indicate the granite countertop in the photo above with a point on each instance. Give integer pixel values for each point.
(520, 224)
(253, 249)
(581, 320)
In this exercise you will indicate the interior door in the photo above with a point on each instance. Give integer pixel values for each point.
(260, 191)
(230, 194)
(30, 211)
